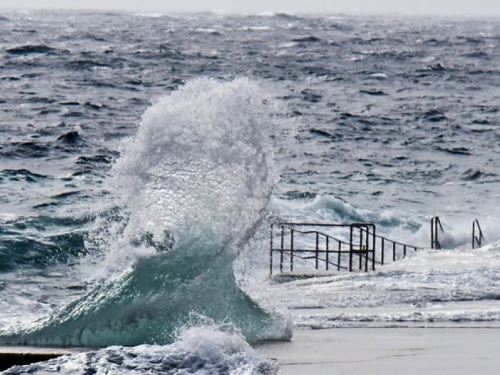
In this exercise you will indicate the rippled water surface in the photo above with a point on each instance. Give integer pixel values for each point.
(266, 117)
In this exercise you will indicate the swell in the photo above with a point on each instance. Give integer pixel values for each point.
(151, 301)
(41, 241)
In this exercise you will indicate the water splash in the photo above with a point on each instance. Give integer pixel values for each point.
(199, 350)
(193, 186)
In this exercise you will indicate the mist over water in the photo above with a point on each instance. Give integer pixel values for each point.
(200, 162)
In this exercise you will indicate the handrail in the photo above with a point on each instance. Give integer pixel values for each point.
(327, 237)
(363, 243)
(475, 239)
(363, 240)
(394, 244)
(339, 246)
(399, 243)
(435, 222)
(361, 227)
(286, 225)
(323, 224)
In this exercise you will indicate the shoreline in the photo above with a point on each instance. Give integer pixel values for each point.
(394, 350)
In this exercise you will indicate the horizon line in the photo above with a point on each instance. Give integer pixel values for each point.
(262, 13)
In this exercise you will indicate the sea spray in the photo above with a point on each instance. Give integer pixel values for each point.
(201, 350)
(199, 162)
(192, 187)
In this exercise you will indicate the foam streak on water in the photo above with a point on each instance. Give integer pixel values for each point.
(429, 287)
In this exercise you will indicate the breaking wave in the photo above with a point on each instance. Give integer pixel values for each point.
(192, 188)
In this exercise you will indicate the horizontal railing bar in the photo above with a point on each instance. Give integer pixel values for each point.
(319, 251)
(316, 232)
(399, 243)
(322, 224)
(323, 250)
(343, 226)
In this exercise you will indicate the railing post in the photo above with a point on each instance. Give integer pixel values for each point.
(434, 232)
(317, 250)
(271, 251)
(339, 256)
(437, 241)
(382, 251)
(473, 233)
(291, 250)
(475, 239)
(360, 251)
(327, 252)
(350, 249)
(282, 247)
(364, 249)
(394, 251)
(374, 246)
(367, 248)
(481, 238)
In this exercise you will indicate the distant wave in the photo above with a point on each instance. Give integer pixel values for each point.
(33, 48)
(283, 15)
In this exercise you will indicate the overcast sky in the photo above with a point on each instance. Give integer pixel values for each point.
(439, 7)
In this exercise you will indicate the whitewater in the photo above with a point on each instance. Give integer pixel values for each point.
(145, 157)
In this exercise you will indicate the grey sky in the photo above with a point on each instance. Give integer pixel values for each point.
(440, 7)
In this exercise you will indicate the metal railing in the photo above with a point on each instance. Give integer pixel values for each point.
(397, 250)
(360, 247)
(476, 239)
(435, 225)
(477, 233)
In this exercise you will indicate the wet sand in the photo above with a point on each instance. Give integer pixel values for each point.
(401, 351)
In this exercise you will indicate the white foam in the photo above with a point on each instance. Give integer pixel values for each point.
(206, 350)
(199, 162)
(438, 286)
(198, 158)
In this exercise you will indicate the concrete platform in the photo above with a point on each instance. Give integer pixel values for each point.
(25, 355)
(408, 351)
(361, 351)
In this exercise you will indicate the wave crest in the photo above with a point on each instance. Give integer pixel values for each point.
(194, 184)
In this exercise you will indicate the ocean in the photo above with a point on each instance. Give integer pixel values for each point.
(144, 158)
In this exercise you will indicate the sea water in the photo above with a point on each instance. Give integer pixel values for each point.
(144, 157)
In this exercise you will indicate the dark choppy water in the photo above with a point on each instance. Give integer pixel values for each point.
(387, 120)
